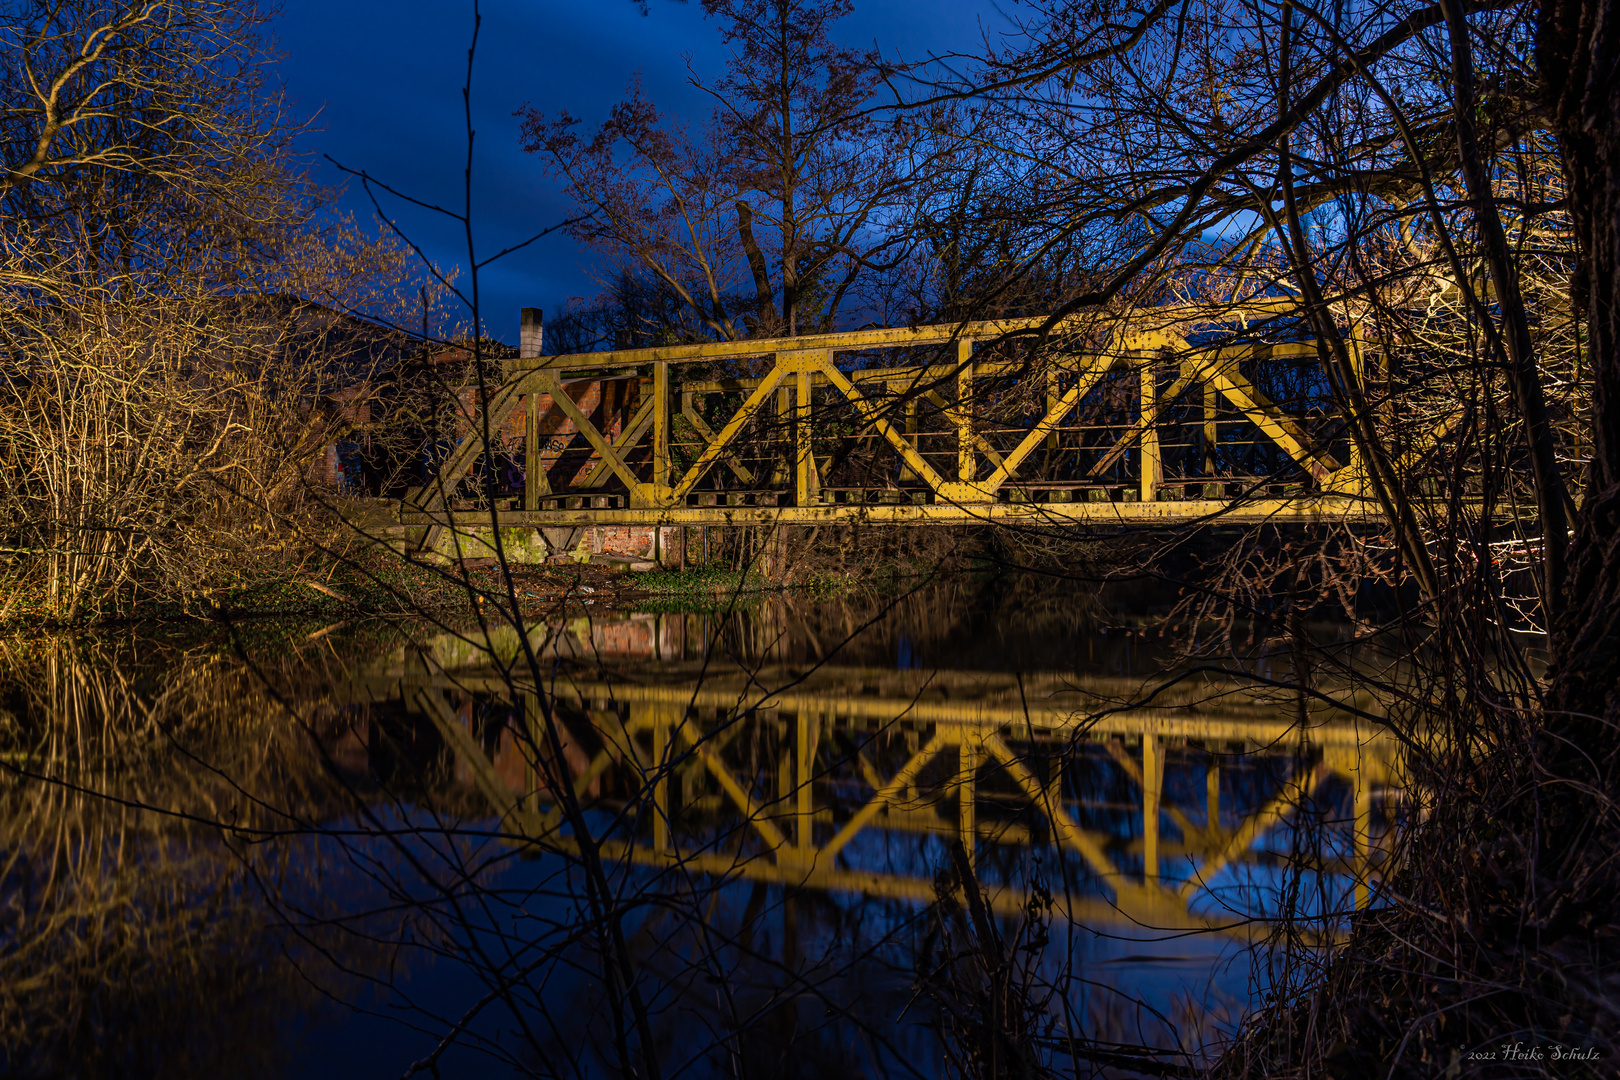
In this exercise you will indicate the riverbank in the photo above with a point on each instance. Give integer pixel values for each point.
(392, 588)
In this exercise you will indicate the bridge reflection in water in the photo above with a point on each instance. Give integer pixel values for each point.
(1152, 810)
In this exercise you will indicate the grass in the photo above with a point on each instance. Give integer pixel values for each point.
(383, 586)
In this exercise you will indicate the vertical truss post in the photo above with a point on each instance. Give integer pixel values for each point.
(660, 423)
(966, 796)
(535, 774)
(535, 482)
(1363, 837)
(784, 413)
(965, 465)
(1212, 404)
(805, 762)
(688, 409)
(531, 343)
(803, 481)
(1152, 792)
(1212, 796)
(1354, 466)
(907, 473)
(660, 770)
(1152, 465)
(1051, 405)
(1054, 784)
(787, 774)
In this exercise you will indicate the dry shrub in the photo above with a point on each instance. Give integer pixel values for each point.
(172, 307)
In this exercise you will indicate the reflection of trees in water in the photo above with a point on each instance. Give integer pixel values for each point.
(778, 983)
(966, 620)
(136, 942)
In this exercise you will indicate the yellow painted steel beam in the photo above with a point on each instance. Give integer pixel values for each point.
(1143, 423)
(1180, 316)
(1053, 705)
(1116, 750)
(899, 380)
(1088, 379)
(1052, 398)
(967, 795)
(983, 444)
(535, 482)
(1222, 372)
(1126, 914)
(1062, 824)
(549, 384)
(501, 405)
(962, 415)
(1431, 438)
(883, 796)
(738, 469)
(1264, 818)
(896, 439)
(1211, 431)
(722, 441)
(460, 740)
(1209, 722)
(625, 441)
(894, 337)
(660, 771)
(1309, 508)
(807, 729)
(803, 467)
(1152, 798)
(434, 494)
(660, 424)
(737, 793)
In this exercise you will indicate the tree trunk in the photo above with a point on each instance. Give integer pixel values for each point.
(1578, 48)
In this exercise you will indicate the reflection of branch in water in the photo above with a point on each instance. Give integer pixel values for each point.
(119, 926)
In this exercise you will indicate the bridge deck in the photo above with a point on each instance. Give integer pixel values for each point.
(1306, 508)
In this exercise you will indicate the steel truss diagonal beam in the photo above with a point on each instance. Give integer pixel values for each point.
(701, 426)
(1264, 818)
(1091, 373)
(722, 442)
(626, 440)
(883, 796)
(752, 812)
(546, 383)
(869, 412)
(1062, 824)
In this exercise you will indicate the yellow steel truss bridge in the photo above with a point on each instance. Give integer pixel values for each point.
(1140, 425)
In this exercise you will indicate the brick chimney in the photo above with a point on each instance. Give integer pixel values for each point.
(530, 333)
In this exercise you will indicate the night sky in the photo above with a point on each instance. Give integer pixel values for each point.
(383, 83)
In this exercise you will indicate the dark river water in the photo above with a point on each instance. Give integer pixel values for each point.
(854, 837)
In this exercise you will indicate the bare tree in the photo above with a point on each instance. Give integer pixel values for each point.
(769, 218)
(1386, 178)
